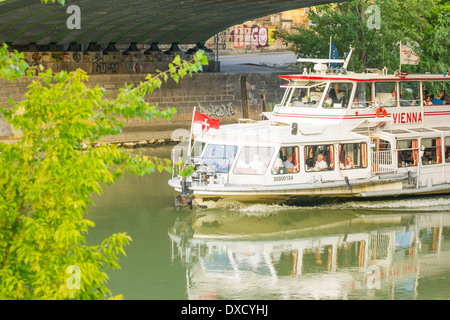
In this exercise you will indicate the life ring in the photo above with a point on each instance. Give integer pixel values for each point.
(377, 114)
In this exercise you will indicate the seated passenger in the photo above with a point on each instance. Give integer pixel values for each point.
(320, 164)
(349, 164)
(241, 166)
(278, 167)
(427, 101)
(436, 100)
(257, 164)
(328, 101)
(288, 163)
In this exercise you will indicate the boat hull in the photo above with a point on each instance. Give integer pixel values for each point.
(310, 195)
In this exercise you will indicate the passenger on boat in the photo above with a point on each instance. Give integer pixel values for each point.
(357, 104)
(288, 163)
(257, 164)
(349, 164)
(436, 100)
(320, 164)
(328, 101)
(428, 101)
(278, 167)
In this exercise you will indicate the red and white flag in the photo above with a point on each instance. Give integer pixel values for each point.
(408, 56)
(203, 123)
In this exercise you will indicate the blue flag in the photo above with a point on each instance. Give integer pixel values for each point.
(334, 54)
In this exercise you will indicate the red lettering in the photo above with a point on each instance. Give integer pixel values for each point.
(407, 117)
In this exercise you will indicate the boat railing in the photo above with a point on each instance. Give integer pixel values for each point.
(178, 161)
(383, 161)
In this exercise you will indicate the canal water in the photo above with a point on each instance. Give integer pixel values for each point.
(358, 250)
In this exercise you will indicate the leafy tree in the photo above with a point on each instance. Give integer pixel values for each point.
(47, 178)
(422, 24)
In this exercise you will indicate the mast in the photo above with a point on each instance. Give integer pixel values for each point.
(329, 53)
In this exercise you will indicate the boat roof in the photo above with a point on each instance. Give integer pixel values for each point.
(362, 77)
(269, 132)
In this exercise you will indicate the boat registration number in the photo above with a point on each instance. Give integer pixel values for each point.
(283, 178)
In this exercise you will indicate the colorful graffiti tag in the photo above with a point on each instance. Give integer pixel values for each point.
(253, 36)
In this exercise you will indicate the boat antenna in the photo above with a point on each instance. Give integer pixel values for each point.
(321, 63)
(347, 59)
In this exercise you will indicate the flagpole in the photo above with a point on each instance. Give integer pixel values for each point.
(329, 55)
(190, 135)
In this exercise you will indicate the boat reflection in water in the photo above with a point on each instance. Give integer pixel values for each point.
(275, 252)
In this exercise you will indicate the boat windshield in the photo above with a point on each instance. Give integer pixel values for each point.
(219, 155)
(304, 95)
(338, 95)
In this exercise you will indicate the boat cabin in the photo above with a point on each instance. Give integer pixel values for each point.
(350, 99)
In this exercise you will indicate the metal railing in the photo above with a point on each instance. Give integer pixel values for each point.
(383, 161)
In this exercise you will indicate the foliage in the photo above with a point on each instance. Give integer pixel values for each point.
(421, 24)
(12, 64)
(47, 179)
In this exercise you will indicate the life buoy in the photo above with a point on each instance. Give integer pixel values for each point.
(377, 114)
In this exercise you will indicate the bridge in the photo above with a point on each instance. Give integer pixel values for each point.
(130, 21)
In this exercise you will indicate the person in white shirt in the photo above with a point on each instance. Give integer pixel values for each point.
(320, 163)
(257, 165)
(278, 166)
(348, 164)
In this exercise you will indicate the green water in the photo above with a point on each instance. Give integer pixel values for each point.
(394, 249)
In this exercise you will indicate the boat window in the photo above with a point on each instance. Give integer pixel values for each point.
(447, 149)
(307, 95)
(319, 158)
(363, 96)
(407, 153)
(221, 156)
(253, 160)
(437, 93)
(297, 97)
(386, 94)
(287, 93)
(409, 93)
(338, 95)
(353, 156)
(432, 153)
(197, 148)
(287, 161)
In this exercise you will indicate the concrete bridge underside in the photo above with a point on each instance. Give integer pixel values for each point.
(131, 21)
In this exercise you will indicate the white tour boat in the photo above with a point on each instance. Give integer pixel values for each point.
(334, 134)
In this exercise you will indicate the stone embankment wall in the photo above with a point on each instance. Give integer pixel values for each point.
(224, 96)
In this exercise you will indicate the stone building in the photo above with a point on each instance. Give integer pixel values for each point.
(257, 35)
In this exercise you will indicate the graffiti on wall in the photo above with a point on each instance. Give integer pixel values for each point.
(219, 111)
(56, 57)
(253, 36)
(105, 67)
